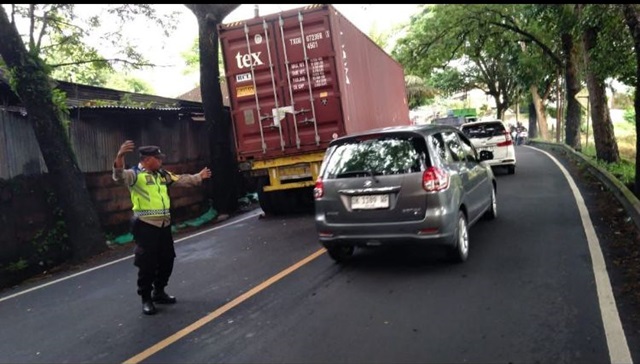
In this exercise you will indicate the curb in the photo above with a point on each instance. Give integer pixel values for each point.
(629, 201)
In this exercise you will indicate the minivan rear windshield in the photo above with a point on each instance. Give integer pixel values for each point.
(376, 157)
(483, 130)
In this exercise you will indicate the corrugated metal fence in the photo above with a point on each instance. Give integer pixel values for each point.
(19, 150)
(97, 133)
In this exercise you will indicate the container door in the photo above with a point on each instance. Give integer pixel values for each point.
(283, 86)
(310, 84)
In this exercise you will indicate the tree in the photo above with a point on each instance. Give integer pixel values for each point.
(632, 19)
(222, 151)
(30, 80)
(593, 26)
(417, 91)
(446, 37)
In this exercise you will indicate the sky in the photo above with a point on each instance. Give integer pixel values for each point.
(169, 81)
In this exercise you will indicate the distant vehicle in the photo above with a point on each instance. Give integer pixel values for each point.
(422, 184)
(493, 136)
(457, 117)
(297, 80)
(469, 114)
(455, 121)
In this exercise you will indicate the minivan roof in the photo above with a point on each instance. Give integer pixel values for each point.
(422, 128)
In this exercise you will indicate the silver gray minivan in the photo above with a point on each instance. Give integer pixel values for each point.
(423, 184)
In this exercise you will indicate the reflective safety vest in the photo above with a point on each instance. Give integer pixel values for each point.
(149, 193)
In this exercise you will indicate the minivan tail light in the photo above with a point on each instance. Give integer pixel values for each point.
(435, 179)
(508, 141)
(318, 190)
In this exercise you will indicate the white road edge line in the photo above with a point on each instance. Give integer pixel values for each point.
(616, 340)
(127, 257)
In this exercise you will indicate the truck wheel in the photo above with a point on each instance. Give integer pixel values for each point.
(340, 253)
(265, 199)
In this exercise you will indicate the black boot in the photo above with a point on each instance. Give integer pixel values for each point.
(148, 308)
(160, 296)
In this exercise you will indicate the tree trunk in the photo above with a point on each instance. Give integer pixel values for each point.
(632, 18)
(533, 121)
(603, 135)
(501, 108)
(572, 122)
(32, 85)
(541, 115)
(223, 160)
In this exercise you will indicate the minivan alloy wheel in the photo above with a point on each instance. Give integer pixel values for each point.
(460, 251)
(492, 212)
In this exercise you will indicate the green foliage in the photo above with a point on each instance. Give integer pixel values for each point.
(450, 81)
(127, 101)
(19, 265)
(191, 58)
(613, 56)
(59, 99)
(130, 84)
(624, 170)
(461, 47)
(418, 93)
(630, 115)
(622, 100)
(66, 65)
(67, 37)
(51, 245)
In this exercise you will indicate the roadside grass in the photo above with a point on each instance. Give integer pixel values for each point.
(626, 138)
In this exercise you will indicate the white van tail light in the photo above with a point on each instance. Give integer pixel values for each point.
(508, 141)
(318, 190)
(434, 179)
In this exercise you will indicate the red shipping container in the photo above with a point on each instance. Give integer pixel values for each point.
(300, 78)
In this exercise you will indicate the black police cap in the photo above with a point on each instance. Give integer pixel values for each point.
(150, 151)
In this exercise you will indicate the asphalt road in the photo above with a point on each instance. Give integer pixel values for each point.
(262, 290)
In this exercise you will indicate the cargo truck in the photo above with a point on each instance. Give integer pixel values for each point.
(297, 80)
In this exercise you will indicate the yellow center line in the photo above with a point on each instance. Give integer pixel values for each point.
(210, 317)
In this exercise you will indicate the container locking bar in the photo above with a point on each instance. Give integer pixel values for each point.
(306, 65)
(276, 118)
(255, 89)
(286, 61)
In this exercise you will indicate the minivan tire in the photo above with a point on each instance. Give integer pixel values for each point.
(340, 253)
(460, 251)
(492, 212)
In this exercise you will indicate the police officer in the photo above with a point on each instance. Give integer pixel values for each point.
(148, 185)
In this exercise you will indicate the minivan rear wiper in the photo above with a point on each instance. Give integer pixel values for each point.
(357, 173)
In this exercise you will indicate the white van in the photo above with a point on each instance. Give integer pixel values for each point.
(493, 135)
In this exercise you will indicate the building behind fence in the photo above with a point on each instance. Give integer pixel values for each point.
(96, 133)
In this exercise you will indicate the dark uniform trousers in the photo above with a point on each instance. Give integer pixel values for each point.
(154, 256)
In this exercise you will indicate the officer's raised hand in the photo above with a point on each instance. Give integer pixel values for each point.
(205, 173)
(126, 147)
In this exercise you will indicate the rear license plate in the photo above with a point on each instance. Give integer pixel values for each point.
(294, 172)
(489, 149)
(369, 202)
